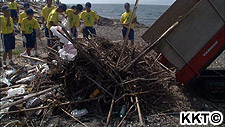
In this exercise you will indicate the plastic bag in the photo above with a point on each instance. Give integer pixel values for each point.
(68, 52)
(4, 80)
(57, 31)
(44, 68)
(9, 72)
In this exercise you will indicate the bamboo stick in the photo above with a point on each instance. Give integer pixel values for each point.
(127, 33)
(27, 98)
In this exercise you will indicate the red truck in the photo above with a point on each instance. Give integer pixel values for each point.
(196, 40)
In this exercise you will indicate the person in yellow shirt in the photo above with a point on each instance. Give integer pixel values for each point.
(29, 27)
(14, 10)
(125, 20)
(23, 14)
(73, 17)
(89, 18)
(44, 14)
(53, 19)
(7, 35)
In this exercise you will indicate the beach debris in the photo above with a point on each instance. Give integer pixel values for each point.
(79, 113)
(84, 72)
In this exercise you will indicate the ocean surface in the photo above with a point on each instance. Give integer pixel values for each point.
(147, 14)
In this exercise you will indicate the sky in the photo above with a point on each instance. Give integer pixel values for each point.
(155, 2)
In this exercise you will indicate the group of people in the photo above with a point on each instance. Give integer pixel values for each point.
(30, 28)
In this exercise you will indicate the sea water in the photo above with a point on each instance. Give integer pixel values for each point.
(147, 14)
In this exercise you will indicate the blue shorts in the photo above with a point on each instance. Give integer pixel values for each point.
(75, 33)
(31, 40)
(47, 31)
(13, 14)
(8, 42)
(34, 32)
(86, 31)
(131, 34)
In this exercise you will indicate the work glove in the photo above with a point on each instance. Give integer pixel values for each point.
(42, 27)
(82, 26)
(95, 26)
(24, 40)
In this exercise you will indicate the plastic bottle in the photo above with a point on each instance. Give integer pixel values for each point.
(123, 111)
(16, 91)
(79, 113)
(94, 93)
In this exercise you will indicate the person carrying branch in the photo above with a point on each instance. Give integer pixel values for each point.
(125, 20)
(7, 35)
(30, 28)
(73, 17)
(53, 19)
(89, 18)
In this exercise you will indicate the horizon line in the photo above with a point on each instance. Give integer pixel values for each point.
(122, 3)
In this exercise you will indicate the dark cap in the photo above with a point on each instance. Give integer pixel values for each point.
(63, 7)
(29, 11)
(5, 7)
(79, 7)
(127, 5)
(88, 5)
(74, 7)
(26, 5)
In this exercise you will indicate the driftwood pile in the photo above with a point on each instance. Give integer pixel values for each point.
(135, 83)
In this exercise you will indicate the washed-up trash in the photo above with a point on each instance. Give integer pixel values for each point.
(27, 79)
(44, 68)
(57, 31)
(15, 91)
(95, 93)
(68, 52)
(33, 102)
(123, 111)
(9, 72)
(5, 81)
(4, 102)
(79, 113)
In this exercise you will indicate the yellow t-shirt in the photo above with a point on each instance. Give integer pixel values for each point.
(125, 18)
(73, 19)
(76, 20)
(3, 25)
(89, 18)
(29, 25)
(22, 16)
(46, 11)
(54, 17)
(13, 5)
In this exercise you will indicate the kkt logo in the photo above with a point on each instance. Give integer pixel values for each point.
(201, 118)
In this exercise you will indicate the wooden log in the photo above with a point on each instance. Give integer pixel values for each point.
(29, 97)
(52, 106)
(110, 111)
(37, 59)
(147, 49)
(139, 111)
